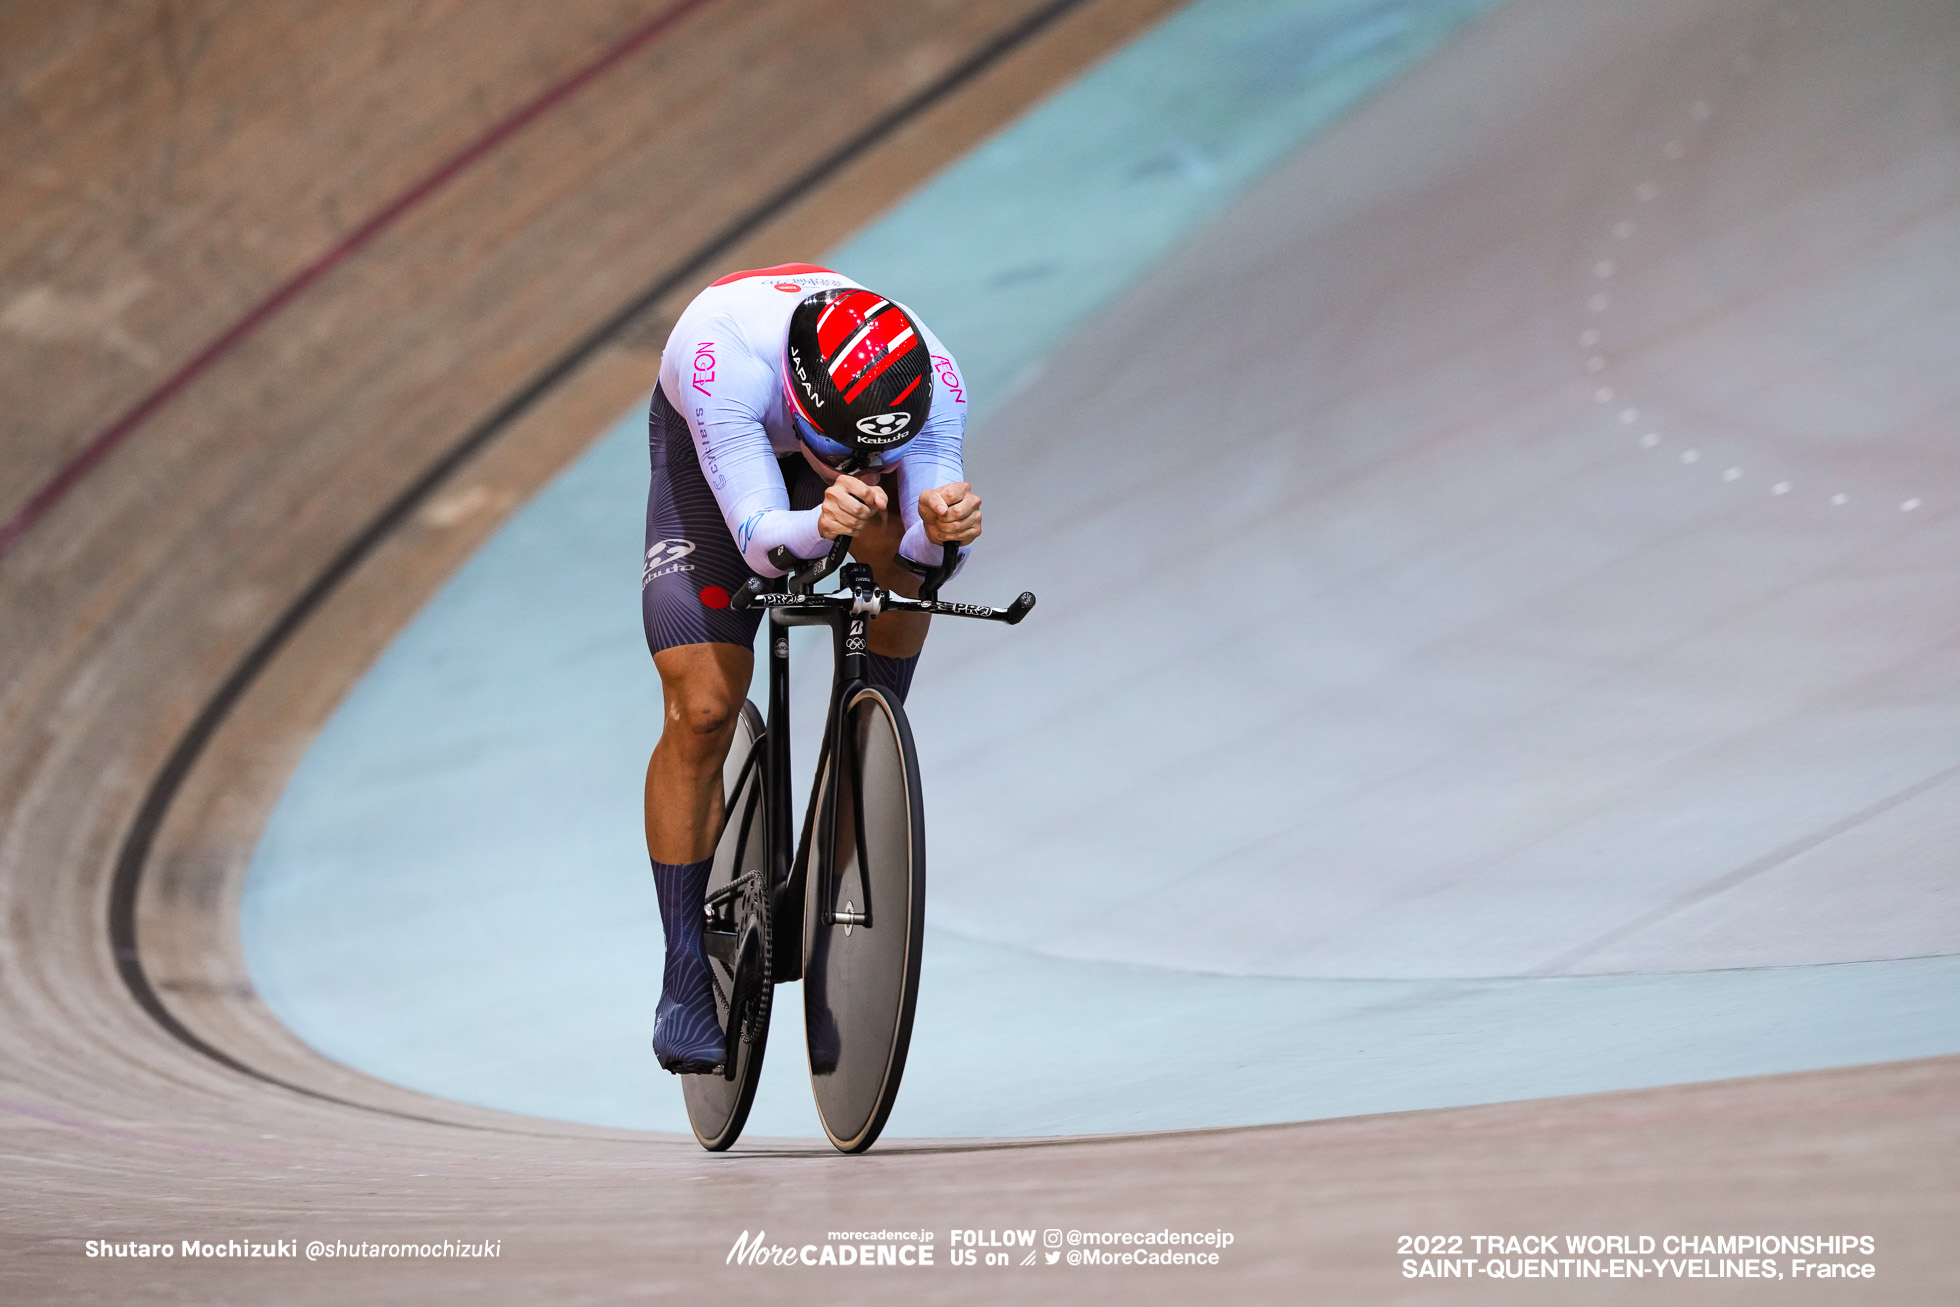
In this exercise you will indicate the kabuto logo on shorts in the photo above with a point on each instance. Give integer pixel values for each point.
(662, 557)
(884, 427)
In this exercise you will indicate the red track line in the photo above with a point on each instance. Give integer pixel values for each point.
(105, 444)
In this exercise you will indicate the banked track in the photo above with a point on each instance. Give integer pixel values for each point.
(115, 1129)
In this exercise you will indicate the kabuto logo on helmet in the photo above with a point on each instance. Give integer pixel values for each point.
(881, 428)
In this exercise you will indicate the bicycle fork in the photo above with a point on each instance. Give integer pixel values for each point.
(850, 635)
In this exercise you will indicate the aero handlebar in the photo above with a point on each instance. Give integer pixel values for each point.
(929, 591)
(797, 596)
(805, 573)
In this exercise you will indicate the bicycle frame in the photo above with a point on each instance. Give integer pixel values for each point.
(848, 612)
(787, 854)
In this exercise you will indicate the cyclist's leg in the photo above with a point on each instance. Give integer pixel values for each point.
(701, 649)
(703, 686)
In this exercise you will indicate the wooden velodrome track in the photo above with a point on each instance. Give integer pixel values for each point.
(233, 533)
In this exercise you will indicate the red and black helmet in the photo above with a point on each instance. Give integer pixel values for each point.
(857, 378)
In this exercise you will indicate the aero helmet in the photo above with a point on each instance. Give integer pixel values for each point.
(857, 378)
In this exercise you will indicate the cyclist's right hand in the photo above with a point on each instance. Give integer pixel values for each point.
(848, 507)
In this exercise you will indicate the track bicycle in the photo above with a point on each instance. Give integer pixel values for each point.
(844, 908)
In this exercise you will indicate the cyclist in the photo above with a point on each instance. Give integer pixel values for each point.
(794, 406)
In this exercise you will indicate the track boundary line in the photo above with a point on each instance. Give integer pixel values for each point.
(44, 500)
(137, 843)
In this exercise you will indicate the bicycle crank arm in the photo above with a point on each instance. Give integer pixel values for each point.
(720, 945)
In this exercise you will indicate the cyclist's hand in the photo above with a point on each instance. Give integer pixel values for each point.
(950, 512)
(848, 507)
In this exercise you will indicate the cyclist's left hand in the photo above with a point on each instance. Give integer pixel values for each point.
(950, 512)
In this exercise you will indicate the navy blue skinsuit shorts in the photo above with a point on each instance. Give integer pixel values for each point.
(691, 565)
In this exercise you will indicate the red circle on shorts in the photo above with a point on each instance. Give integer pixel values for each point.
(787, 285)
(713, 596)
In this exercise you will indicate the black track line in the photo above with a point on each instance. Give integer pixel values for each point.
(137, 844)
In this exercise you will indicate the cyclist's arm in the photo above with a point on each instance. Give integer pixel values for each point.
(933, 458)
(724, 415)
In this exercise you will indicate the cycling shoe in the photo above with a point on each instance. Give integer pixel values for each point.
(687, 1034)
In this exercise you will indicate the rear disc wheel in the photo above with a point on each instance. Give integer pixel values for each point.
(737, 942)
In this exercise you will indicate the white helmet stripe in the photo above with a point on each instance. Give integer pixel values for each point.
(870, 318)
(828, 309)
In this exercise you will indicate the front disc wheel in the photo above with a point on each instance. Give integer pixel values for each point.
(864, 921)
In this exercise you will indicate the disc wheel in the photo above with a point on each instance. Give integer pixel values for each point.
(864, 922)
(736, 940)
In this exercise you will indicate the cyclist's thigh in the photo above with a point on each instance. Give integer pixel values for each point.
(691, 565)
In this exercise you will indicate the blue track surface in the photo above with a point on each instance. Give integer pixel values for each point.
(453, 893)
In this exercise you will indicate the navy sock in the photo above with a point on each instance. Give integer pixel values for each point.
(686, 1032)
(894, 674)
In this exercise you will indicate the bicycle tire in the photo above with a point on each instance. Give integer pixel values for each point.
(718, 1105)
(861, 981)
